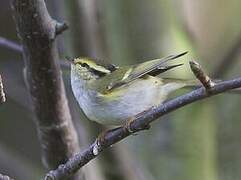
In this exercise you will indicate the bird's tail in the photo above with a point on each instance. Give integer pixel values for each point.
(193, 84)
(186, 83)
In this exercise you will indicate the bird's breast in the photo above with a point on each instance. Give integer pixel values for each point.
(121, 103)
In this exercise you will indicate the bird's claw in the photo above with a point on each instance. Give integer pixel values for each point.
(127, 125)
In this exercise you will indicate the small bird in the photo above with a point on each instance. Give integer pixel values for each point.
(111, 95)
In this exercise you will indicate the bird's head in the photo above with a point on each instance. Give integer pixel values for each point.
(88, 69)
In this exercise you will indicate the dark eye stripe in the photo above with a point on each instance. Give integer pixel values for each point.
(85, 65)
(98, 73)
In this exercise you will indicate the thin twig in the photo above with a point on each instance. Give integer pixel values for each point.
(201, 75)
(11, 45)
(37, 31)
(61, 27)
(19, 49)
(2, 94)
(206, 81)
(139, 123)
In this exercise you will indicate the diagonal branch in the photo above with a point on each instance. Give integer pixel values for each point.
(37, 32)
(10, 45)
(4, 42)
(139, 123)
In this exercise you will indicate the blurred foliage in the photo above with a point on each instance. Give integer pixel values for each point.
(200, 141)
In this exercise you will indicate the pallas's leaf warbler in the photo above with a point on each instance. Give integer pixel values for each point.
(110, 95)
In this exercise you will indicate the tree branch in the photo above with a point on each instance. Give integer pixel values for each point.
(60, 27)
(140, 122)
(37, 31)
(201, 75)
(2, 94)
(10, 45)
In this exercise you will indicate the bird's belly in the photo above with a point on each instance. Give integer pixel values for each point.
(120, 106)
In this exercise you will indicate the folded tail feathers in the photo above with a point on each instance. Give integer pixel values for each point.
(191, 83)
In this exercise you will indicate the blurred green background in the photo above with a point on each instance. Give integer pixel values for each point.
(200, 141)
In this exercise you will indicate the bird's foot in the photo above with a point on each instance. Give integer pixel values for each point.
(100, 142)
(127, 125)
(101, 137)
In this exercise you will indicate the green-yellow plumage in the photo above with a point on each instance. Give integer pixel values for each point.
(110, 95)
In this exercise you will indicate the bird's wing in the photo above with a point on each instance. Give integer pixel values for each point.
(152, 67)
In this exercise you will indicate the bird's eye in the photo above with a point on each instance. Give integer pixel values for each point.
(84, 65)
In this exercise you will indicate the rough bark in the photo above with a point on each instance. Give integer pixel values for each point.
(37, 32)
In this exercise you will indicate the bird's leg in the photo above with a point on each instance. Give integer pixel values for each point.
(101, 137)
(127, 125)
(101, 142)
